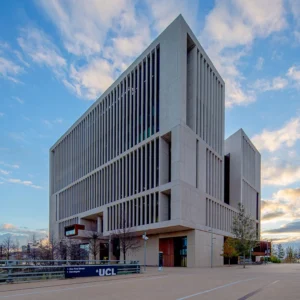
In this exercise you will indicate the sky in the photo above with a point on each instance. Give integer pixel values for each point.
(57, 57)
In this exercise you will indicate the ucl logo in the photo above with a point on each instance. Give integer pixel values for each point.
(106, 272)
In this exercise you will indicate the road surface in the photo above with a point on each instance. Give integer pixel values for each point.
(274, 281)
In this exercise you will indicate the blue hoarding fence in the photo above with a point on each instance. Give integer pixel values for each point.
(29, 270)
(107, 270)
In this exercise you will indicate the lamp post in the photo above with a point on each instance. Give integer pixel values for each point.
(211, 247)
(145, 238)
(266, 256)
(109, 249)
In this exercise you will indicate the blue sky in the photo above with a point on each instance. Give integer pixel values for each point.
(57, 57)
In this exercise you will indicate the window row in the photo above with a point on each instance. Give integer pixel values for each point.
(249, 199)
(136, 212)
(213, 175)
(133, 173)
(248, 161)
(126, 116)
(205, 100)
(219, 216)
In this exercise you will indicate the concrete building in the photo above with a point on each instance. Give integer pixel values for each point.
(242, 174)
(150, 151)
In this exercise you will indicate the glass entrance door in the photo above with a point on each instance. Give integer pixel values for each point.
(180, 251)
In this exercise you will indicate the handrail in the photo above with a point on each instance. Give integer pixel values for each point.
(57, 269)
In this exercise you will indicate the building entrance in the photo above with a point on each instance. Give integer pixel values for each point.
(104, 251)
(174, 251)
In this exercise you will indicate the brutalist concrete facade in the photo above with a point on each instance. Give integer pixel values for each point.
(150, 152)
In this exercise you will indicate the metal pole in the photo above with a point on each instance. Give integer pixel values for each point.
(145, 251)
(267, 251)
(211, 248)
(109, 249)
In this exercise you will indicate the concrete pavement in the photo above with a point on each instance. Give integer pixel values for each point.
(280, 281)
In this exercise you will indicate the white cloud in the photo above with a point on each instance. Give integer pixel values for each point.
(50, 124)
(105, 37)
(264, 85)
(297, 36)
(84, 27)
(4, 45)
(294, 74)
(25, 118)
(58, 121)
(284, 206)
(9, 69)
(84, 30)
(4, 172)
(21, 101)
(91, 80)
(20, 58)
(14, 166)
(234, 25)
(260, 63)
(236, 22)
(41, 49)
(23, 182)
(164, 12)
(294, 6)
(22, 234)
(18, 136)
(272, 140)
(279, 173)
(236, 95)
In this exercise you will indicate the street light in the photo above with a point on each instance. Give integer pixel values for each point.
(268, 251)
(145, 238)
(109, 249)
(211, 246)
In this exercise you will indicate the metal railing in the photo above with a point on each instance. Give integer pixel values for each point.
(30, 270)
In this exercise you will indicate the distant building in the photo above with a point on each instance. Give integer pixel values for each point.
(150, 151)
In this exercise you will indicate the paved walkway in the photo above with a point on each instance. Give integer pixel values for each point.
(255, 282)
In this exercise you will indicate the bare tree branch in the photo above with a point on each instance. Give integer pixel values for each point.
(127, 238)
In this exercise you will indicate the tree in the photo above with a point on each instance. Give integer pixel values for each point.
(297, 253)
(94, 245)
(280, 251)
(229, 250)
(274, 251)
(290, 255)
(244, 231)
(34, 253)
(62, 250)
(128, 240)
(74, 250)
(8, 247)
(47, 249)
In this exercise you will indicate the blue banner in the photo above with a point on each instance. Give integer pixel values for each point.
(108, 270)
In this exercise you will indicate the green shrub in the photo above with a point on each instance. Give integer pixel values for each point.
(275, 260)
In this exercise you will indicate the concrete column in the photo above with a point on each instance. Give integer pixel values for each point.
(99, 224)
